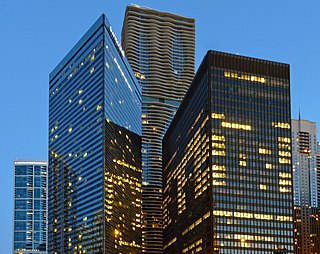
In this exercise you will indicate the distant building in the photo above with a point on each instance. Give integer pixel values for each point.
(95, 149)
(227, 160)
(30, 207)
(160, 48)
(306, 172)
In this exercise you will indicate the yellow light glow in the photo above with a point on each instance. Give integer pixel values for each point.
(284, 139)
(281, 125)
(217, 116)
(218, 138)
(236, 126)
(243, 163)
(263, 187)
(264, 151)
(284, 153)
(268, 166)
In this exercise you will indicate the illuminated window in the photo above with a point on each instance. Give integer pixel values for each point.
(284, 161)
(284, 189)
(284, 175)
(217, 116)
(264, 151)
(284, 139)
(285, 182)
(218, 167)
(268, 166)
(281, 125)
(218, 153)
(236, 126)
(235, 75)
(218, 145)
(243, 163)
(219, 183)
(218, 138)
(284, 153)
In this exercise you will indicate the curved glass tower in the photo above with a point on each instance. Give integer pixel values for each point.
(160, 48)
(95, 149)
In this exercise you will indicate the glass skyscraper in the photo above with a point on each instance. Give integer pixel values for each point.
(306, 186)
(94, 149)
(30, 207)
(227, 160)
(160, 48)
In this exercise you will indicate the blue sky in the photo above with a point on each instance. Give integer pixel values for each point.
(35, 35)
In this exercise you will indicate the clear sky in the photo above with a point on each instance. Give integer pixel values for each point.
(35, 35)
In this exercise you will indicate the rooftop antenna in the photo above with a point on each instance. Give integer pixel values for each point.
(299, 120)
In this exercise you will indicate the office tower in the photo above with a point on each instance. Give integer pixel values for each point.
(306, 186)
(30, 207)
(95, 149)
(227, 160)
(160, 48)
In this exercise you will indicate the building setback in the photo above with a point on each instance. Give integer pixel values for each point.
(306, 186)
(30, 207)
(227, 160)
(95, 149)
(160, 48)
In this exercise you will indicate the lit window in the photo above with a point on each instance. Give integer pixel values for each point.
(217, 116)
(264, 151)
(284, 139)
(268, 166)
(281, 125)
(243, 163)
(236, 126)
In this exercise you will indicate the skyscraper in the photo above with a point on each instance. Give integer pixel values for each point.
(95, 149)
(30, 207)
(227, 160)
(160, 48)
(306, 176)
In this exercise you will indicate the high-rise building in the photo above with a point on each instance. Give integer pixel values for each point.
(95, 149)
(227, 160)
(160, 48)
(306, 186)
(30, 207)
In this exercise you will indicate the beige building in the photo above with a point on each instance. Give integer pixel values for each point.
(306, 186)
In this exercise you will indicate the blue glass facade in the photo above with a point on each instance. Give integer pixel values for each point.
(30, 207)
(94, 149)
